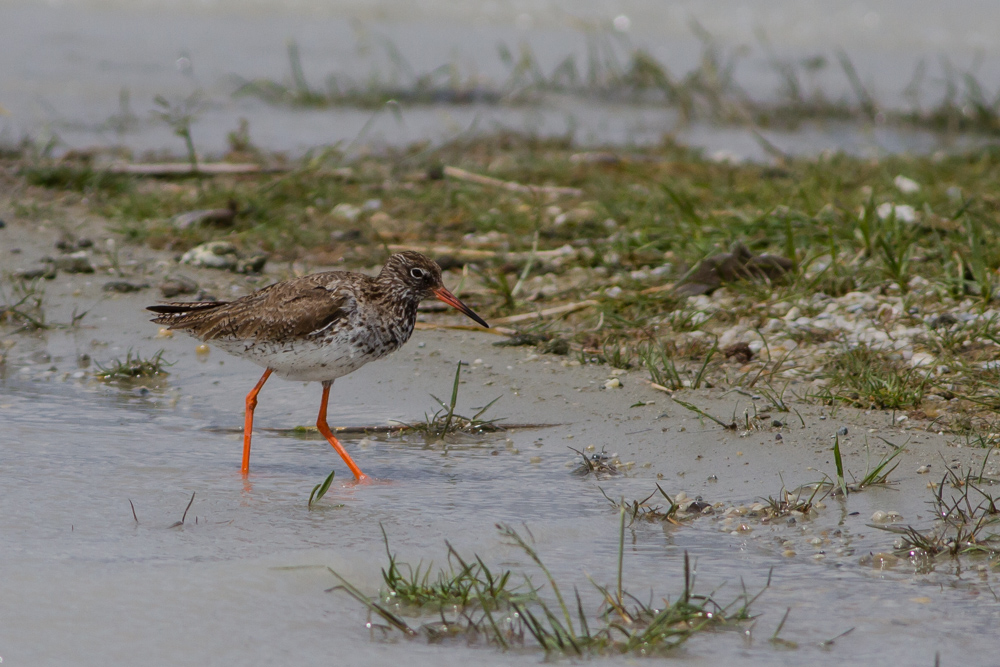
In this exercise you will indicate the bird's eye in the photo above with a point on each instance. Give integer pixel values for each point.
(418, 273)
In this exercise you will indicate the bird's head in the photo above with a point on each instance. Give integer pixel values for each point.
(420, 276)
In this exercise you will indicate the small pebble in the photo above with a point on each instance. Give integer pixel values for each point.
(123, 286)
(842, 430)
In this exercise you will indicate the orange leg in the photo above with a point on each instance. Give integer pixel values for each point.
(324, 428)
(248, 422)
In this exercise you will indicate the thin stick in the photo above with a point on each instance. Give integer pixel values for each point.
(190, 502)
(468, 176)
(473, 254)
(180, 169)
(496, 331)
(658, 387)
(558, 310)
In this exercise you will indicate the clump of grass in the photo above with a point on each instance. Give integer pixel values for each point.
(133, 367)
(446, 421)
(24, 307)
(445, 84)
(75, 175)
(877, 475)
(870, 378)
(180, 116)
(661, 362)
(675, 512)
(661, 366)
(470, 602)
(789, 502)
(960, 526)
(464, 583)
(600, 464)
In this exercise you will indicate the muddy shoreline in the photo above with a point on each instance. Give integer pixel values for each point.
(76, 450)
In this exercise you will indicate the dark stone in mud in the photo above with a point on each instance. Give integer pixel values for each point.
(218, 217)
(544, 342)
(69, 244)
(943, 320)
(252, 264)
(448, 262)
(737, 264)
(171, 287)
(77, 262)
(48, 272)
(123, 286)
(519, 340)
(2, 224)
(346, 235)
(741, 351)
(698, 506)
(558, 346)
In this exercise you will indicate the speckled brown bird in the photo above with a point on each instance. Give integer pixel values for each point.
(317, 328)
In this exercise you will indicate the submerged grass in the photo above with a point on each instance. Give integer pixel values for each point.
(23, 307)
(471, 603)
(877, 475)
(446, 421)
(133, 367)
(965, 522)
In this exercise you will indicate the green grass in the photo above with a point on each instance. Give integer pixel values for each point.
(965, 522)
(643, 222)
(446, 421)
(133, 367)
(869, 378)
(470, 602)
(21, 304)
(643, 510)
(877, 475)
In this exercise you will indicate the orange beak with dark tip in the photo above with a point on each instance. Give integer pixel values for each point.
(444, 295)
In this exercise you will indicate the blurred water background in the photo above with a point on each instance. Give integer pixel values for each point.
(78, 74)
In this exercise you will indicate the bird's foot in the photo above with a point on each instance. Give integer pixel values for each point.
(365, 480)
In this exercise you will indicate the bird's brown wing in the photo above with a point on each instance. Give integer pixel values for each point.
(280, 312)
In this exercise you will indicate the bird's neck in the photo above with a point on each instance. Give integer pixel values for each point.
(399, 313)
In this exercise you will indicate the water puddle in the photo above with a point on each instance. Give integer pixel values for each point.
(74, 452)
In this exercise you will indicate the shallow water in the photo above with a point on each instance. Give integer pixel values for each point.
(244, 578)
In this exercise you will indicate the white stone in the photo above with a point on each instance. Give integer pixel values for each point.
(906, 185)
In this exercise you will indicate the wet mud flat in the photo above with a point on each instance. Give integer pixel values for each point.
(244, 577)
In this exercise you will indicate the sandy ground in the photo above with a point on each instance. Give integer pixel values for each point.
(92, 446)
